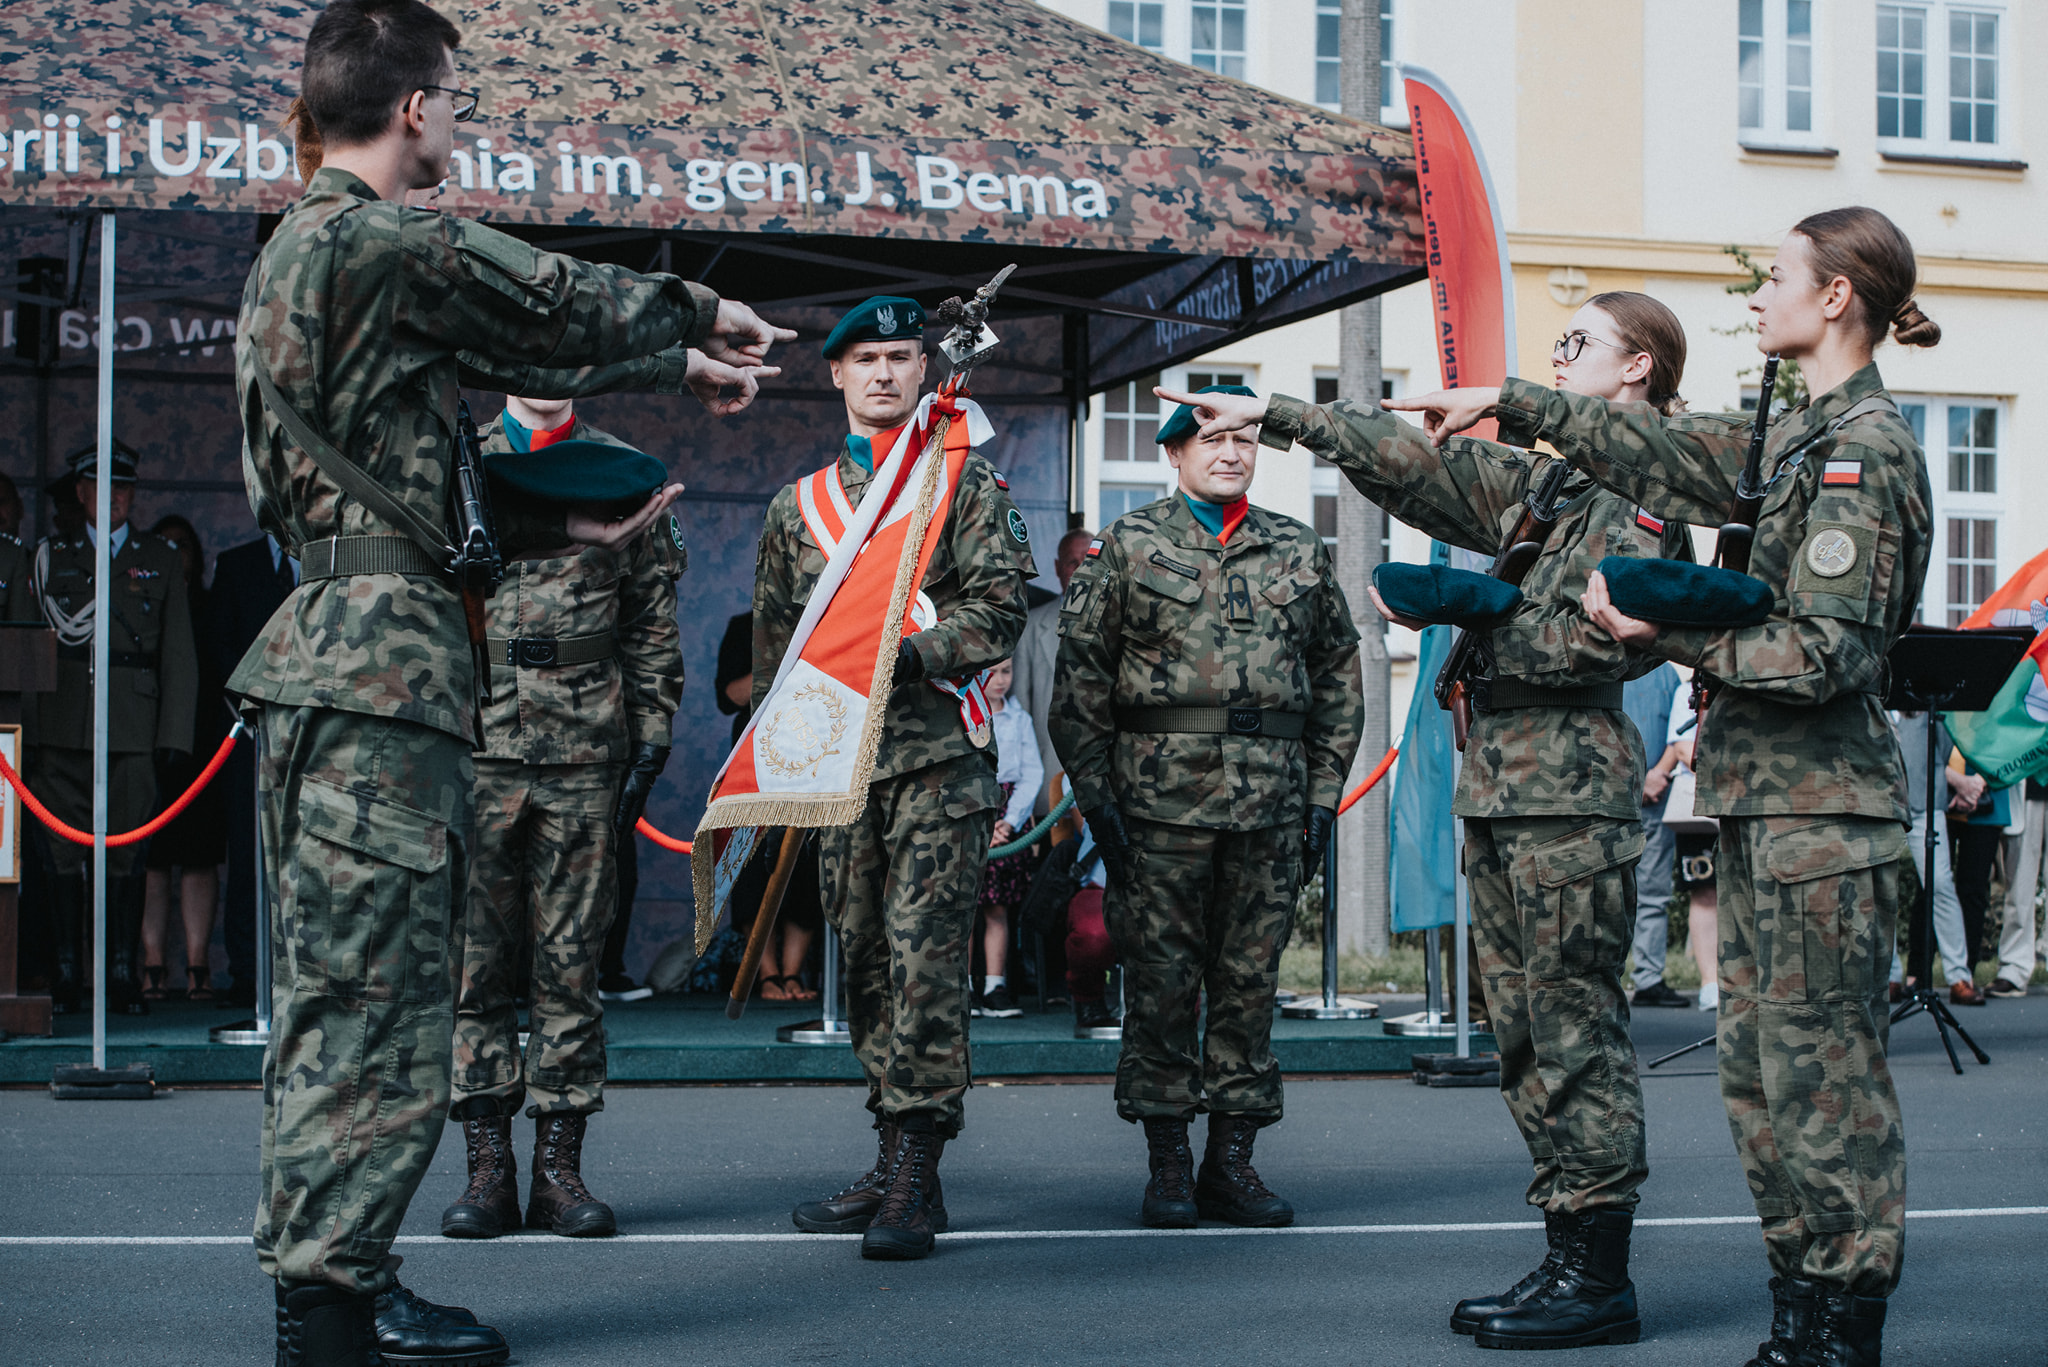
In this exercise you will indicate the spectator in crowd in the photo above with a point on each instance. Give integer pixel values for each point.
(735, 677)
(1696, 868)
(2018, 947)
(1950, 790)
(1978, 831)
(1648, 702)
(195, 844)
(1031, 685)
(1004, 882)
(12, 512)
(250, 582)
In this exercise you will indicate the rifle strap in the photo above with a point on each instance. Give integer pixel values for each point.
(352, 478)
(1864, 407)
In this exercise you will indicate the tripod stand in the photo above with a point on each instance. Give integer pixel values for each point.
(1935, 669)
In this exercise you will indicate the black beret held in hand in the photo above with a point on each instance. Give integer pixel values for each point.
(1442, 596)
(1673, 593)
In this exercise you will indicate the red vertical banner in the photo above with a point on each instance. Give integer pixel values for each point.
(1471, 285)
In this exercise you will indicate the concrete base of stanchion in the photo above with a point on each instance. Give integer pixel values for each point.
(1329, 1009)
(816, 1032)
(241, 1032)
(1449, 1070)
(1099, 1031)
(1425, 1025)
(83, 1082)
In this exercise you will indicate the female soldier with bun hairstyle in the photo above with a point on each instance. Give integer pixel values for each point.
(1795, 754)
(1551, 793)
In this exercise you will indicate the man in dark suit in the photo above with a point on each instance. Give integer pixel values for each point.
(250, 582)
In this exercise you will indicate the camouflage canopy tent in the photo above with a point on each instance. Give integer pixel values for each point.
(798, 154)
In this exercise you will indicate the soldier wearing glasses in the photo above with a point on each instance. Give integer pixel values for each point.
(348, 359)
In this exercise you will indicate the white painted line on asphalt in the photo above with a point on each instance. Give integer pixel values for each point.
(963, 1236)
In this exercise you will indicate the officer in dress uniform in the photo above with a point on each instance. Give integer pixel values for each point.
(901, 884)
(1207, 706)
(586, 672)
(152, 693)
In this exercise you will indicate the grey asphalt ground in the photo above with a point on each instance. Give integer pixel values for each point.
(1043, 1187)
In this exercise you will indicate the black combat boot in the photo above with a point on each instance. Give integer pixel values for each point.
(1588, 1300)
(412, 1329)
(1795, 1303)
(848, 1210)
(1469, 1314)
(67, 930)
(1170, 1195)
(1848, 1331)
(489, 1205)
(1228, 1187)
(324, 1326)
(560, 1202)
(124, 945)
(914, 1211)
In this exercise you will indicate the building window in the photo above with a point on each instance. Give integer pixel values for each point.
(1202, 379)
(1931, 57)
(1972, 565)
(1967, 505)
(1130, 419)
(1216, 38)
(1118, 499)
(1972, 449)
(1774, 68)
(1391, 100)
(1901, 71)
(1139, 22)
(1326, 518)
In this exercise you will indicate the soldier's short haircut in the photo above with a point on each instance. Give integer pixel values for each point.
(364, 58)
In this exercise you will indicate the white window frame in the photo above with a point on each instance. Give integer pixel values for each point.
(1142, 427)
(1225, 57)
(1936, 607)
(1774, 130)
(1935, 140)
(1137, 23)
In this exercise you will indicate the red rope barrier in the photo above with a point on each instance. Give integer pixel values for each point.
(1371, 780)
(148, 828)
(667, 842)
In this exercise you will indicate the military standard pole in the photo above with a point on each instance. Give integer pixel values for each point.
(102, 574)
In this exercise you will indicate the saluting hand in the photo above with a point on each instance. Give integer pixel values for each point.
(742, 337)
(709, 380)
(1600, 610)
(587, 529)
(1218, 412)
(1448, 412)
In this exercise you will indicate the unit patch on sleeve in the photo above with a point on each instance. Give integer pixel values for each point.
(1831, 553)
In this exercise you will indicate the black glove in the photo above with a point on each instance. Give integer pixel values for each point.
(643, 771)
(1315, 838)
(1106, 824)
(909, 666)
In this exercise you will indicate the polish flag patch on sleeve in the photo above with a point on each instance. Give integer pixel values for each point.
(1001, 483)
(1649, 523)
(1094, 549)
(1849, 472)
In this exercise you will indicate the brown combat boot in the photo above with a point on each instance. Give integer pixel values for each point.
(914, 1211)
(560, 1202)
(1170, 1196)
(1228, 1186)
(849, 1210)
(489, 1205)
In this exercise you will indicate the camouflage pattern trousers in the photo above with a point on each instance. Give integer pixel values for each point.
(900, 886)
(1204, 910)
(544, 881)
(366, 838)
(1553, 911)
(1809, 907)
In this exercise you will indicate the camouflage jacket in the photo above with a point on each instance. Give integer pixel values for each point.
(153, 688)
(975, 580)
(361, 310)
(17, 602)
(1797, 726)
(598, 710)
(1522, 761)
(1158, 616)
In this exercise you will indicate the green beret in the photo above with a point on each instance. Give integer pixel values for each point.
(577, 471)
(1442, 596)
(1676, 593)
(1182, 424)
(884, 318)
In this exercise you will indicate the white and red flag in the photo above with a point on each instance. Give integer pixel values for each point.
(808, 753)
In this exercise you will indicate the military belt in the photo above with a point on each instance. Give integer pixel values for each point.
(1214, 721)
(339, 557)
(1504, 695)
(116, 659)
(553, 652)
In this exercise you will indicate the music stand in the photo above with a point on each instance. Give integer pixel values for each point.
(1935, 669)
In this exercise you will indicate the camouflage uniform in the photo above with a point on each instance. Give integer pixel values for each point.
(1163, 615)
(1797, 759)
(544, 877)
(900, 885)
(360, 310)
(1550, 789)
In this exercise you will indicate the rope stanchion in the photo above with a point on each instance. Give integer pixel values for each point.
(667, 842)
(1371, 780)
(148, 828)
